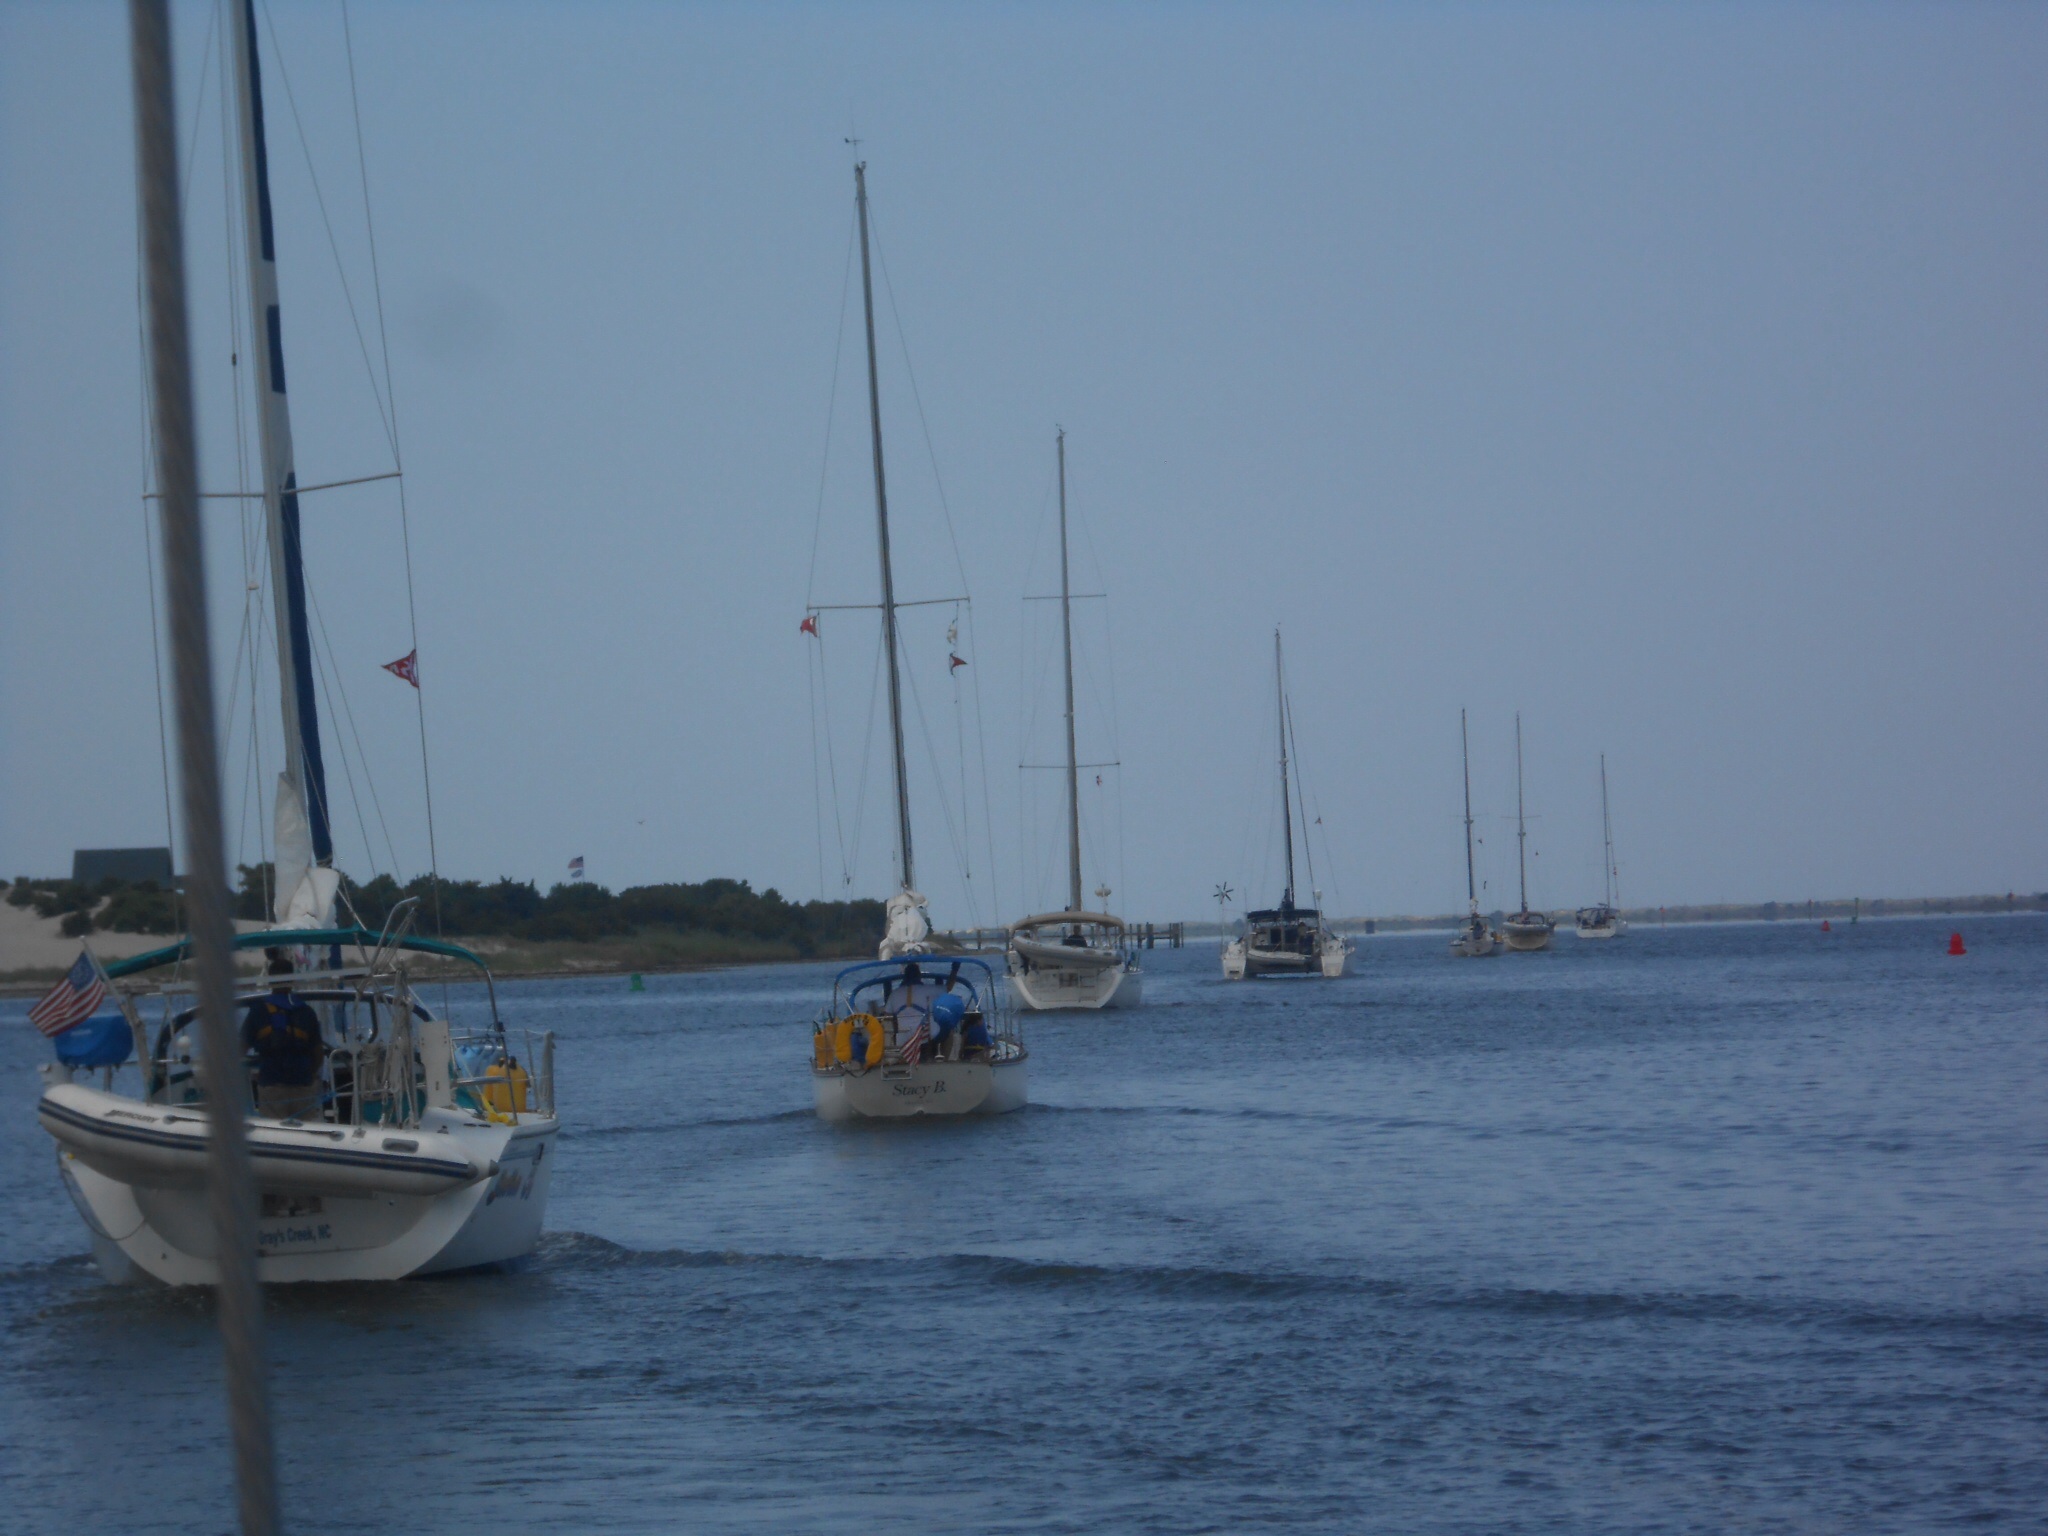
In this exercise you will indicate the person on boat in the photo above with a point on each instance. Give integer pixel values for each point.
(283, 1034)
(976, 1039)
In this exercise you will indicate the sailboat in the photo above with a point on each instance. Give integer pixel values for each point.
(1286, 940)
(430, 1149)
(1605, 920)
(1475, 939)
(1074, 958)
(1525, 931)
(915, 1031)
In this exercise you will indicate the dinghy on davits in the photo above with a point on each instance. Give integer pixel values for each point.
(1078, 960)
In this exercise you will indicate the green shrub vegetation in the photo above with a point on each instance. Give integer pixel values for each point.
(124, 907)
(585, 913)
(711, 918)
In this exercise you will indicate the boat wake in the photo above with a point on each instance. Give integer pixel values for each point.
(670, 1127)
(581, 1251)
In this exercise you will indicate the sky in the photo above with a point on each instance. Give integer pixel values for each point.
(1675, 376)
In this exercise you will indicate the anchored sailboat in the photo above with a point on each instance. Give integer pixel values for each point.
(1075, 958)
(426, 1147)
(1605, 920)
(1286, 940)
(1526, 931)
(915, 1032)
(1475, 939)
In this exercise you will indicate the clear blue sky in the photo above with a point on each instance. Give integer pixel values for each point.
(1676, 375)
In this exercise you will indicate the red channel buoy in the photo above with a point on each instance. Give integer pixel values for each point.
(1826, 926)
(1955, 944)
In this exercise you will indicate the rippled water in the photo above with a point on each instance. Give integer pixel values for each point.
(1711, 1229)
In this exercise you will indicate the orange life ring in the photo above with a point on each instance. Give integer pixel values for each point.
(842, 1040)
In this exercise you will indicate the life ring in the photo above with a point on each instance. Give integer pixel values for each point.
(842, 1040)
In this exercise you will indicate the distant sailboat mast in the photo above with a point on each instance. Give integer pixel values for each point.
(1471, 880)
(1521, 826)
(304, 769)
(1613, 875)
(1286, 806)
(867, 294)
(1067, 644)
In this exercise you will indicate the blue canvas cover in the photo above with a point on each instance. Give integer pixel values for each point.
(103, 1040)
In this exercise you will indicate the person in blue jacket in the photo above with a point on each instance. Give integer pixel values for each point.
(283, 1035)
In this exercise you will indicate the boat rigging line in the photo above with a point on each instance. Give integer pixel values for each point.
(383, 394)
(412, 610)
(814, 670)
(892, 651)
(945, 509)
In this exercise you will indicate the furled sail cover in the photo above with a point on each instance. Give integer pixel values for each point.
(293, 845)
(304, 896)
(312, 903)
(909, 926)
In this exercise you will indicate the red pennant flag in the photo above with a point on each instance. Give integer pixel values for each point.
(957, 664)
(407, 667)
(809, 625)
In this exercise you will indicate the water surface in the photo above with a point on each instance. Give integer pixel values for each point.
(1737, 1227)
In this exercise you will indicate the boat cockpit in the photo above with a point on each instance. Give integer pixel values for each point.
(911, 1010)
(383, 1056)
(1285, 930)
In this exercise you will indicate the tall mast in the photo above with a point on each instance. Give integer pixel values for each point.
(1521, 826)
(1465, 750)
(1286, 806)
(274, 430)
(1067, 643)
(867, 294)
(1607, 832)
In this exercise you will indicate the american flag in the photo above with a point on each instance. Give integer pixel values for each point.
(72, 1000)
(576, 867)
(914, 1046)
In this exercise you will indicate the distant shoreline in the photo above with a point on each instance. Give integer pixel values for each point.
(663, 953)
(1840, 909)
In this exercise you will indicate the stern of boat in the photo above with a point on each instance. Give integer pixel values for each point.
(1043, 990)
(930, 1088)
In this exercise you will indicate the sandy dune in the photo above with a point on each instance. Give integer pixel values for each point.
(31, 943)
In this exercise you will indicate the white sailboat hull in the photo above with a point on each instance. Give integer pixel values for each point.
(1051, 991)
(1527, 937)
(930, 1088)
(1613, 930)
(339, 1203)
(1475, 942)
(1048, 977)
(1330, 959)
